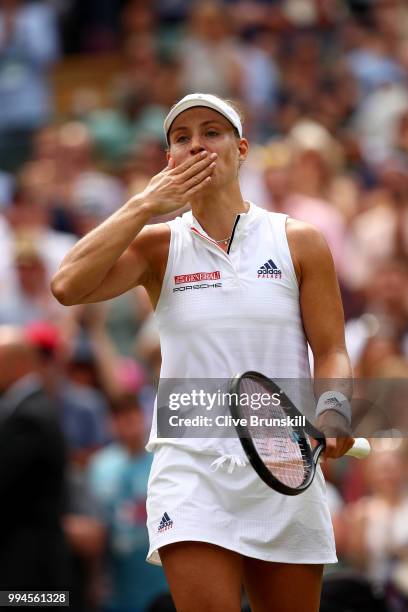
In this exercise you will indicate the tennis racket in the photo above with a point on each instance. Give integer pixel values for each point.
(281, 454)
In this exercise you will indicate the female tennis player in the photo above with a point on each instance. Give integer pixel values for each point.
(234, 288)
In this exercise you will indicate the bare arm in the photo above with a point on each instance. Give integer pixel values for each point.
(323, 320)
(123, 251)
(103, 255)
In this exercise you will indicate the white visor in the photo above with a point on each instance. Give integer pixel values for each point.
(207, 100)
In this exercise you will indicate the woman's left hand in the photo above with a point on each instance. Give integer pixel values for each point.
(337, 432)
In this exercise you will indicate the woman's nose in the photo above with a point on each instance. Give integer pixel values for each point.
(196, 145)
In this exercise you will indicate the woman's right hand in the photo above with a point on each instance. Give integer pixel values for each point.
(174, 186)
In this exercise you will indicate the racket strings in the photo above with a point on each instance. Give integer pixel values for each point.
(276, 441)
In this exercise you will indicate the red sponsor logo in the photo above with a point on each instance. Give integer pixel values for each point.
(197, 277)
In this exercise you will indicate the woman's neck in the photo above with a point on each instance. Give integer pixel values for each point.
(216, 212)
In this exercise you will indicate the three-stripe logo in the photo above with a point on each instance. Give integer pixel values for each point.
(165, 523)
(269, 270)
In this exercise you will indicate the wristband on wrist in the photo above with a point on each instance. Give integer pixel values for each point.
(334, 400)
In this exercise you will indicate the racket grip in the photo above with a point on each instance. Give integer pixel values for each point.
(360, 449)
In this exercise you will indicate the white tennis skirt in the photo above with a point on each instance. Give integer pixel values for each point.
(231, 507)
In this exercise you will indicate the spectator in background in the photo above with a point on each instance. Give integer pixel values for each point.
(84, 531)
(390, 18)
(40, 176)
(100, 20)
(86, 194)
(30, 299)
(136, 110)
(300, 63)
(63, 180)
(28, 46)
(376, 120)
(297, 174)
(385, 310)
(29, 213)
(138, 18)
(111, 373)
(89, 27)
(382, 358)
(82, 414)
(145, 157)
(67, 371)
(260, 81)
(377, 524)
(94, 197)
(45, 143)
(380, 232)
(118, 478)
(33, 549)
(86, 535)
(85, 406)
(115, 129)
(371, 62)
(208, 54)
(125, 318)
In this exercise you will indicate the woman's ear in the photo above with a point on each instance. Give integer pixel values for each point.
(243, 149)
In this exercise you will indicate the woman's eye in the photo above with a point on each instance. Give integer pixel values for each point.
(212, 133)
(181, 139)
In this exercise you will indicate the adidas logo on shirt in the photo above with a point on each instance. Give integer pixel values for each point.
(269, 270)
(165, 523)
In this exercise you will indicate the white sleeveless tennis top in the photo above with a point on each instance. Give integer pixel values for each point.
(220, 314)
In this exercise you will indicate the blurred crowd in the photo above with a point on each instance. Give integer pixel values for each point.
(323, 87)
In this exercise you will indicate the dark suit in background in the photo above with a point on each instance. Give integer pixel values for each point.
(33, 550)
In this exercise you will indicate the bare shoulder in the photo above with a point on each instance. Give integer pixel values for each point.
(305, 237)
(152, 240)
(158, 231)
(152, 245)
(307, 245)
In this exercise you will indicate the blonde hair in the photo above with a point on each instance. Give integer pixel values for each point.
(237, 108)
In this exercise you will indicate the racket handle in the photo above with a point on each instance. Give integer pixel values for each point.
(360, 449)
